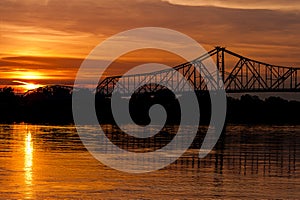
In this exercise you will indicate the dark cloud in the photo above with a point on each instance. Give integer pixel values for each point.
(41, 62)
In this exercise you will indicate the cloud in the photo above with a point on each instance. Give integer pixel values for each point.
(56, 31)
(36, 40)
(242, 4)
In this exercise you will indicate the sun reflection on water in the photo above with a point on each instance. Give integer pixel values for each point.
(28, 157)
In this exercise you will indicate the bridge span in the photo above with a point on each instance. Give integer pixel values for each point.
(237, 74)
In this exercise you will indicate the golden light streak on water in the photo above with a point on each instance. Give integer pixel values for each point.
(28, 162)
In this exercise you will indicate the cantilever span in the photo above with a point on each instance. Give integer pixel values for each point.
(237, 73)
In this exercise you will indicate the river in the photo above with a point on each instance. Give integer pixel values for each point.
(50, 162)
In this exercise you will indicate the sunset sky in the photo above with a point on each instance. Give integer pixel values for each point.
(45, 41)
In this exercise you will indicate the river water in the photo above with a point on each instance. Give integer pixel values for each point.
(50, 162)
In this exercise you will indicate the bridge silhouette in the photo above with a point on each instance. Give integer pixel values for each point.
(238, 74)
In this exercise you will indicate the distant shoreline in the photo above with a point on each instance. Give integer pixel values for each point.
(54, 106)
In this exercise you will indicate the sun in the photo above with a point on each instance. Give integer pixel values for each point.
(26, 80)
(31, 86)
(25, 86)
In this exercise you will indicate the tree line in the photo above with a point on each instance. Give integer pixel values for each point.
(53, 104)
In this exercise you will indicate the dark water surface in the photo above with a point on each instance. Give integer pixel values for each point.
(250, 162)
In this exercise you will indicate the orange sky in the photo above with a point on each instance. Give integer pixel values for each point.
(44, 42)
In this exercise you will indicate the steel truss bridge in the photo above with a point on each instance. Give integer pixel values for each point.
(237, 73)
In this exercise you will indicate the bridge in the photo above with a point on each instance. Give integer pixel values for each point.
(238, 73)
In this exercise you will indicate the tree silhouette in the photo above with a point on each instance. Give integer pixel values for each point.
(9, 104)
(53, 104)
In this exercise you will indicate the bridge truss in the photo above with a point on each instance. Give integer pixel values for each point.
(238, 75)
